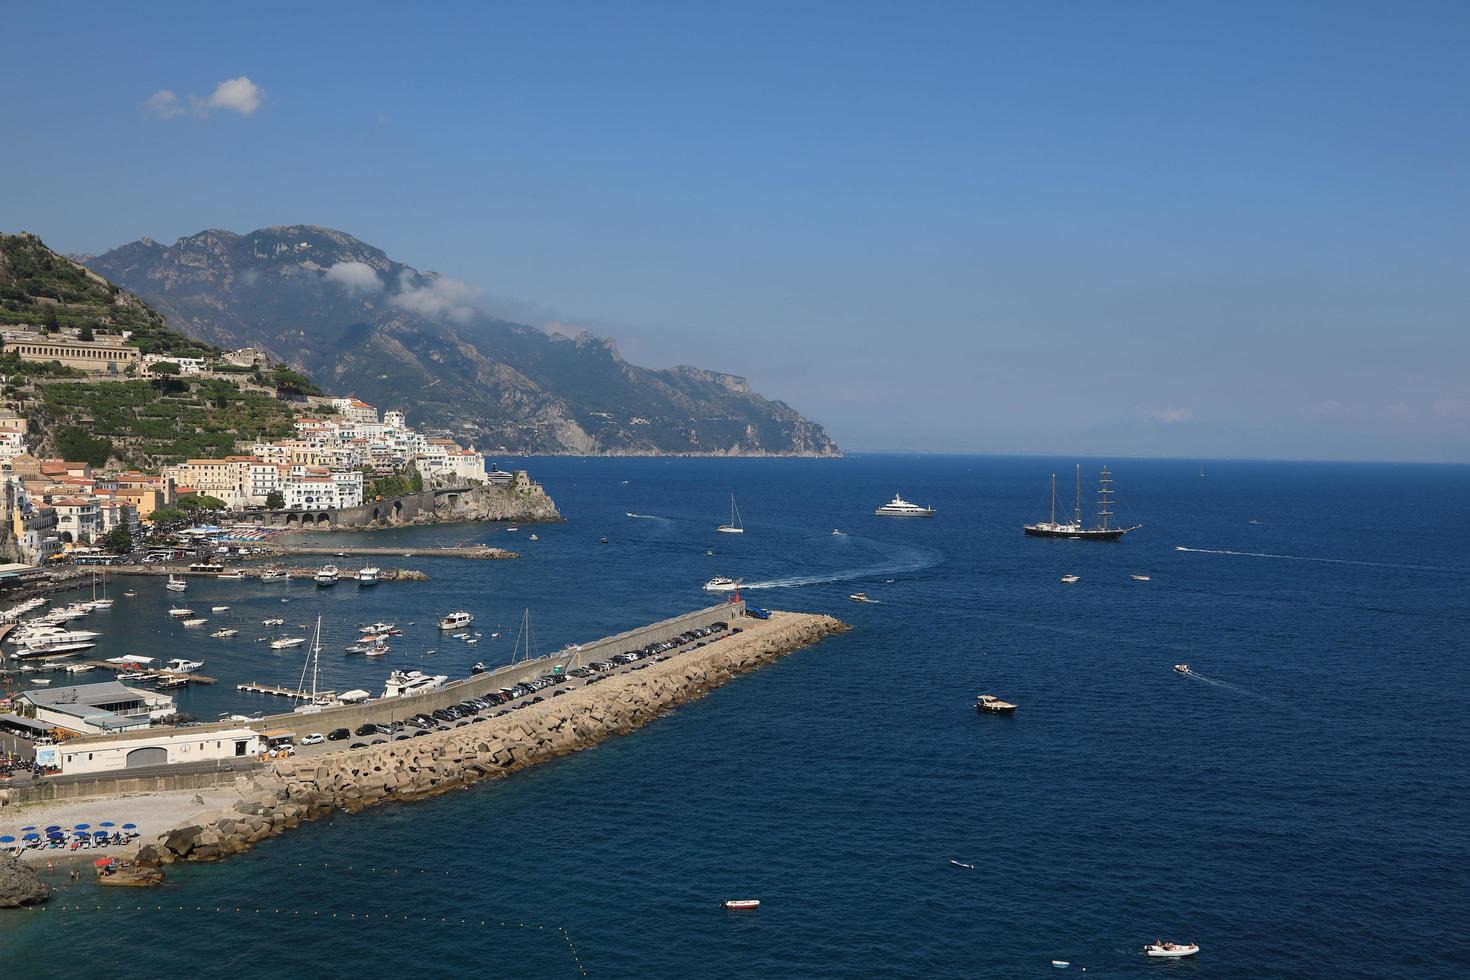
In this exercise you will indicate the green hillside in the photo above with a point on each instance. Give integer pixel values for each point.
(130, 423)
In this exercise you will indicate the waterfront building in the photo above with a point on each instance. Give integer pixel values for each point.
(105, 707)
(170, 747)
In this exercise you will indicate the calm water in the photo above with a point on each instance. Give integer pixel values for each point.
(1298, 809)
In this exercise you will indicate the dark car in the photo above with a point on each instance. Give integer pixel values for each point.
(358, 745)
(442, 715)
(537, 699)
(502, 711)
(559, 693)
(402, 738)
(337, 734)
(421, 731)
(368, 729)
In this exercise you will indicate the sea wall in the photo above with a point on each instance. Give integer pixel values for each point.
(305, 788)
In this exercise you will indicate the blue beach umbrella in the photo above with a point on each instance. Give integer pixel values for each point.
(56, 835)
(7, 839)
(130, 826)
(99, 833)
(83, 826)
(107, 823)
(28, 828)
(31, 837)
(52, 829)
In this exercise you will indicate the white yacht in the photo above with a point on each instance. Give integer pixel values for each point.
(272, 575)
(1070, 579)
(721, 584)
(734, 527)
(402, 683)
(898, 507)
(456, 620)
(327, 575)
(287, 642)
(179, 612)
(225, 633)
(368, 575)
(181, 666)
(1172, 951)
(175, 584)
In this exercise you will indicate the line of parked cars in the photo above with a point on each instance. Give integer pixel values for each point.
(522, 695)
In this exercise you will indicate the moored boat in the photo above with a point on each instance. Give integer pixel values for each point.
(367, 575)
(456, 620)
(742, 904)
(327, 575)
(175, 584)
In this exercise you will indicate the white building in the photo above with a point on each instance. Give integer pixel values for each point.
(318, 488)
(93, 708)
(186, 365)
(353, 410)
(169, 747)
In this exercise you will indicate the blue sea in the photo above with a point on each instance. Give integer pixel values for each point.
(1298, 807)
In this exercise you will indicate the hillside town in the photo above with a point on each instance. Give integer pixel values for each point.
(56, 506)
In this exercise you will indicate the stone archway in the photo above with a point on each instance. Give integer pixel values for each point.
(324, 519)
(153, 755)
(66, 537)
(292, 519)
(397, 510)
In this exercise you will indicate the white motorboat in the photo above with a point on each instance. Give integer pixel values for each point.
(327, 575)
(179, 665)
(456, 620)
(390, 629)
(512, 529)
(219, 608)
(721, 584)
(223, 633)
(962, 864)
(354, 696)
(535, 537)
(130, 594)
(990, 704)
(734, 527)
(80, 668)
(742, 904)
(287, 642)
(860, 597)
(235, 576)
(838, 534)
(898, 507)
(1171, 951)
(1070, 579)
(175, 584)
(367, 575)
(179, 612)
(130, 660)
(1139, 578)
(196, 621)
(272, 575)
(402, 683)
(1182, 669)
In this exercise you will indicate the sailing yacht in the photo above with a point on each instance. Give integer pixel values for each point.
(316, 700)
(1102, 531)
(734, 527)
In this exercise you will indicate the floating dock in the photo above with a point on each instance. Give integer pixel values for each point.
(283, 692)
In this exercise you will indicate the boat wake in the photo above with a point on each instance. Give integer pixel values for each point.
(649, 517)
(1232, 687)
(913, 560)
(1325, 561)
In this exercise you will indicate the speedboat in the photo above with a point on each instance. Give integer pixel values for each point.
(993, 705)
(1181, 668)
(961, 864)
(456, 620)
(721, 584)
(535, 537)
(130, 594)
(287, 642)
(838, 534)
(1139, 578)
(1171, 951)
(181, 666)
(898, 507)
(219, 608)
(226, 632)
(860, 597)
(327, 575)
(740, 904)
(1070, 579)
(196, 621)
(512, 529)
(179, 612)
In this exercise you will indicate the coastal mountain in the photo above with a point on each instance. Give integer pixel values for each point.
(358, 321)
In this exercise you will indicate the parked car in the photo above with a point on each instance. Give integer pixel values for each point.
(337, 734)
(313, 738)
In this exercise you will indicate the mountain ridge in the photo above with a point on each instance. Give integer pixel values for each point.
(356, 319)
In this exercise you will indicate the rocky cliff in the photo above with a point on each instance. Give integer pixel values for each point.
(363, 323)
(518, 501)
(20, 885)
(304, 789)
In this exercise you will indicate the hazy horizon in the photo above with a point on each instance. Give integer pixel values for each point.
(1228, 231)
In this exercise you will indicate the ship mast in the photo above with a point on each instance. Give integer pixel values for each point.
(1054, 500)
(1104, 493)
(1077, 518)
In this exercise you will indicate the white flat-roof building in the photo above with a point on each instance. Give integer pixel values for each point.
(97, 708)
(170, 747)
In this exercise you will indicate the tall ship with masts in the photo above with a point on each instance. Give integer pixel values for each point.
(1103, 530)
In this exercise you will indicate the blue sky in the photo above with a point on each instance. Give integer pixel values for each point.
(1229, 229)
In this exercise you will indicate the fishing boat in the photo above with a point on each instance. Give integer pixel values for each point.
(742, 904)
(180, 665)
(456, 620)
(898, 507)
(1102, 531)
(179, 612)
(367, 575)
(734, 527)
(1182, 669)
(223, 633)
(990, 704)
(1171, 951)
(287, 642)
(1071, 579)
(721, 584)
(175, 584)
(171, 683)
(327, 575)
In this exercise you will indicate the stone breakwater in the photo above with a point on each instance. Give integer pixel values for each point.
(307, 788)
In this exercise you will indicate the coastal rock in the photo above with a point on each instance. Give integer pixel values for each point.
(20, 885)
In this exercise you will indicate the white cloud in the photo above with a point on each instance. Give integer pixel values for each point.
(238, 95)
(355, 277)
(233, 95)
(440, 296)
(1167, 415)
(163, 104)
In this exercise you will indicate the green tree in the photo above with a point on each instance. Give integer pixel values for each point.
(416, 482)
(79, 444)
(166, 515)
(85, 333)
(275, 500)
(201, 501)
(120, 539)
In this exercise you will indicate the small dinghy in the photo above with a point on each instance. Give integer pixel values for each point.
(739, 904)
(961, 864)
(1171, 951)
